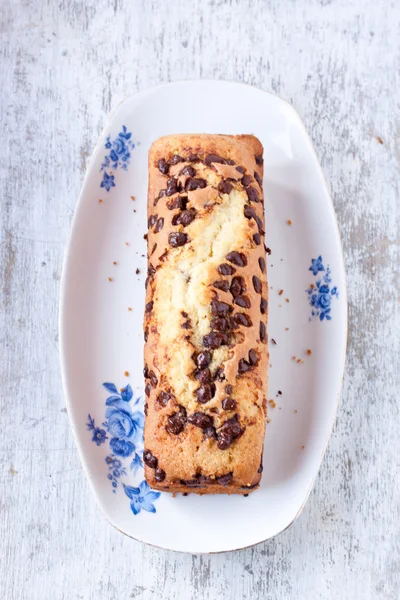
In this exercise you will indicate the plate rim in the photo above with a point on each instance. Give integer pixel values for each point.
(68, 250)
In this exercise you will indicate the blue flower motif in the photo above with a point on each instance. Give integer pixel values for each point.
(320, 294)
(316, 265)
(108, 181)
(125, 427)
(119, 154)
(141, 497)
(99, 435)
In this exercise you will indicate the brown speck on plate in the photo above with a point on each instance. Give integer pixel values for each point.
(289, 222)
(129, 308)
(309, 352)
(126, 373)
(126, 243)
(115, 262)
(379, 139)
(272, 403)
(287, 299)
(286, 328)
(302, 447)
(273, 341)
(110, 279)
(268, 251)
(132, 197)
(100, 200)
(293, 358)
(137, 271)
(280, 292)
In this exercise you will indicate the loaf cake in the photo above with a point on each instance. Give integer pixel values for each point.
(206, 353)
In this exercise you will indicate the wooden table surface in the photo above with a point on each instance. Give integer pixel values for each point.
(64, 66)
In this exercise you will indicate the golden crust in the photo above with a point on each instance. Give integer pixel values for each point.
(181, 303)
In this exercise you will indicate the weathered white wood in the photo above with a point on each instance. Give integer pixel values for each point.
(64, 66)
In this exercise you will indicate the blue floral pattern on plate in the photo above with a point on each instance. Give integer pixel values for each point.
(119, 154)
(320, 293)
(124, 427)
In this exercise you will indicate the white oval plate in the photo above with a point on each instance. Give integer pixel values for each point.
(102, 303)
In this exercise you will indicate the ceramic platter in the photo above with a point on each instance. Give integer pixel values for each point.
(102, 302)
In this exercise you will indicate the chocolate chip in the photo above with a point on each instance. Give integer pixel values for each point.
(237, 258)
(257, 284)
(184, 218)
(193, 158)
(259, 224)
(203, 359)
(224, 441)
(259, 159)
(145, 409)
(151, 221)
(261, 262)
(226, 269)
(203, 375)
(149, 306)
(146, 334)
(225, 187)
(229, 404)
(219, 374)
(199, 419)
(237, 286)
(175, 203)
(220, 309)
(253, 357)
(210, 433)
(204, 393)
(176, 159)
(249, 212)
(246, 180)
(240, 169)
(163, 398)
(186, 325)
(159, 475)
(232, 427)
(151, 270)
(263, 306)
(252, 194)
(260, 468)
(243, 366)
(242, 319)
(153, 249)
(163, 166)
(225, 479)
(228, 389)
(258, 178)
(172, 186)
(177, 239)
(194, 184)
(243, 301)
(146, 371)
(159, 225)
(184, 314)
(147, 389)
(214, 340)
(213, 158)
(263, 332)
(153, 379)
(220, 324)
(221, 285)
(177, 421)
(188, 170)
(257, 238)
(268, 251)
(149, 460)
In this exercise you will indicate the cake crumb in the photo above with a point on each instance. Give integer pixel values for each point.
(268, 251)
(110, 279)
(289, 222)
(132, 197)
(272, 403)
(280, 292)
(126, 373)
(145, 236)
(126, 243)
(309, 351)
(129, 308)
(379, 139)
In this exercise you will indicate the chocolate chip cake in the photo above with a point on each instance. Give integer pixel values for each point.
(205, 319)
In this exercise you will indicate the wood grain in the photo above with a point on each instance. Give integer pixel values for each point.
(64, 66)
